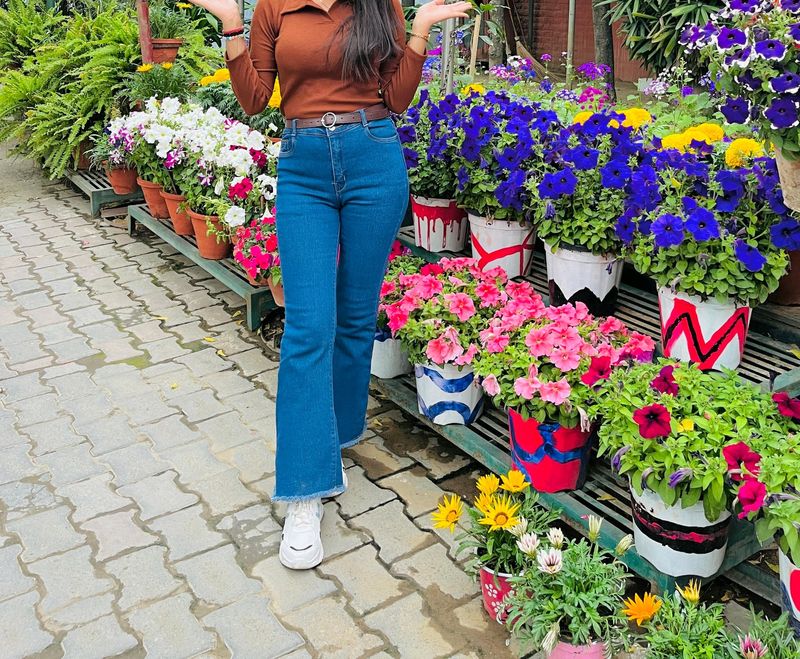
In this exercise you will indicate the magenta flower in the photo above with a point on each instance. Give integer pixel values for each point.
(751, 648)
(599, 369)
(741, 455)
(664, 382)
(653, 421)
(751, 496)
(787, 406)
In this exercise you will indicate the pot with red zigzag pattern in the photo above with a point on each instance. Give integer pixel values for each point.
(552, 457)
(448, 394)
(439, 225)
(709, 333)
(504, 243)
(389, 358)
(568, 651)
(790, 590)
(678, 541)
(574, 274)
(495, 588)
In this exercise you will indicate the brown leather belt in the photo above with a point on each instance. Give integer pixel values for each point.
(330, 120)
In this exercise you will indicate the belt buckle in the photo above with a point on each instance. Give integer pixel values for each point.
(329, 120)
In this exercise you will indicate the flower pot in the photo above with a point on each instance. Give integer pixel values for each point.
(152, 197)
(574, 274)
(789, 171)
(567, 651)
(276, 288)
(439, 224)
(122, 179)
(181, 221)
(82, 158)
(207, 243)
(678, 541)
(789, 287)
(257, 283)
(790, 590)
(552, 457)
(166, 50)
(503, 243)
(494, 588)
(389, 358)
(448, 394)
(708, 333)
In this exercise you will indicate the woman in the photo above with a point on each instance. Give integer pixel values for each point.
(342, 193)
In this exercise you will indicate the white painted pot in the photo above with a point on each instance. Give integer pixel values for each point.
(678, 541)
(389, 358)
(503, 243)
(708, 333)
(789, 172)
(448, 394)
(790, 590)
(439, 225)
(577, 275)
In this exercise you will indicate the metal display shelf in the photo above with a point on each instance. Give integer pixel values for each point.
(258, 299)
(96, 186)
(487, 441)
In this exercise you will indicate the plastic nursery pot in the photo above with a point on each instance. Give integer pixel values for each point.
(152, 197)
(494, 589)
(276, 288)
(176, 206)
(568, 651)
(122, 179)
(166, 50)
(448, 394)
(789, 172)
(389, 358)
(207, 243)
(574, 274)
(439, 225)
(790, 590)
(708, 333)
(678, 541)
(504, 243)
(789, 287)
(552, 457)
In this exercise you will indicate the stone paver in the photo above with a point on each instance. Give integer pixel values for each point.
(143, 575)
(45, 533)
(21, 632)
(215, 577)
(169, 629)
(117, 532)
(158, 495)
(393, 532)
(14, 582)
(187, 532)
(100, 638)
(289, 590)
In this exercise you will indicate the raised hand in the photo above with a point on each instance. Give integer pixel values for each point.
(437, 11)
(227, 11)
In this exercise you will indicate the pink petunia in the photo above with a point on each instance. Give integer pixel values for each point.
(555, 392)
(490, 385)
(526, 387)
(489, 294)
(468, 356)
(398, 317)
(387, 288)
(427, 286)
(493, 341)
(461, 305)
(565, 359)
(611, 325)
(539, 342)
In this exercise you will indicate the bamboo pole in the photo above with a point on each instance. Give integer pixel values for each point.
(476, 37)
(570, 41)
(448, 57)
(145, 37)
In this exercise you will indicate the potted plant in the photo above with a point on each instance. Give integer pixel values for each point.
(709, 243)
(765, 637)
(255, 248)
(389, 358)
(502, 529)
(542, 365)
(111, 152)
(567, 600)
(665, 427)
(167, 28)
(577, 194)
(438, 319)
(439, 224)
(158, 81)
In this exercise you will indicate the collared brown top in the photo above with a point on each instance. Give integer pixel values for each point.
(298, 41)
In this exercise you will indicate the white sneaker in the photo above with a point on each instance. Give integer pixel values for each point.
(344, 476)
(301, 545)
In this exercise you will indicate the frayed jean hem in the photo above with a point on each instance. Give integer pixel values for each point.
(336, 491)
(357, 439)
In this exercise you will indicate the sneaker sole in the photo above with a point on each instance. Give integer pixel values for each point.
(301, 562)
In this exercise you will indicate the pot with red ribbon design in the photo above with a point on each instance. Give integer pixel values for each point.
(504, 243)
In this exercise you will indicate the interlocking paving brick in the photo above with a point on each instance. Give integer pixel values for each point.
(169, 629)
(98, 639)
(22, 386)
(290, 589)
(216, 578)
(45, 533)
(194, 461)
(57, 333)
(20, 630)
(224, 492)
(38, 409)
(392, 531)
(133, 463)
(117, 532)
(190, 331)
(254, 531)
(158, 495)
(73, 350)
(144, 577)
(253, 460)
(228, 383)
(204, 362)
(108, 433)
(199, 405)
(25, 497)
(148, 331)
(375, 459)
(256, 408)
(165, 349)
(71, 464)
(145, 408)
(418, 493)
(87, 409)
(93, 497)
(226, 431)
(431, 568)
(14, 582)
(74, 385)
(362, 494)
(52, 435)
(253, 362)
(439, 457)
(250, 630)
(186, 532)
(170, 432)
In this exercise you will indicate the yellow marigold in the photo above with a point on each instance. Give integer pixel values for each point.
(714, 132)
(183, 5)
(167, 65)
(582, 117)
(636, 118)
(206, 80)
(641, 609)
(144, 68)
(474, 87)
(222, 75)
(514, 481)
(448, 514)
(501, 515)
(488, 484)
(275, 99)
(697, 134)
(675, 141)
(742, 148)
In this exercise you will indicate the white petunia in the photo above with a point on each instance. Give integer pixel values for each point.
(235, 217)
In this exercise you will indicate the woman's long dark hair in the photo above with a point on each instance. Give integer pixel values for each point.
(370, 38)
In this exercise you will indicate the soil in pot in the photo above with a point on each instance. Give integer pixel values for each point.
(207, 243)
(152, 196)
(176, 205)
(122, 179)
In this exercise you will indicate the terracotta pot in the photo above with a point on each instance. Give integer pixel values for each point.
(152, 196)
(122, 179)
(790, 590)
(495, 588)
(439, 225)
(504, 243)
(574, 274)
(389, 358)
(276, 288)
(166, 50)
(552, 457)
(448, 394)
(568, 651)
(789, 288)
(789, 171)
(258, 283)
(181, 221)
(207, 244)
(274, 140)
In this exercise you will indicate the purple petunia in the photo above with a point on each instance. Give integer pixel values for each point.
(625, 228)
(556, 184)
(407, 133)
(668, 230)
(702, 224)
(736, 110)
(411, 156)
(740, 57)
(744, 6)
(747, 79)
(750, 257)
(787, 82)
(786, 234)
(790, 5)
(509, 193)
(730, 37)
(582, 157)
(782, 113)
(794, 31)
(771, 49)
(615, 174)
(677, 477)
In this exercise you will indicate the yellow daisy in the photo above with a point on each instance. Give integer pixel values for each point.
(484, 502)
(691, 592)
(144, 68)
(636, 118)
(488, 484)
(475, 87)
(582, 117)
(742, 148)
(183, 5)
(501, 515)
(514, 481)
(167, 65)
(641, 609)
(448, 514)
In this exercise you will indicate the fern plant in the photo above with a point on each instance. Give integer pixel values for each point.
(24, 26)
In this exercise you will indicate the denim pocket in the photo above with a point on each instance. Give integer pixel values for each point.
(287, 145)
(382, 131)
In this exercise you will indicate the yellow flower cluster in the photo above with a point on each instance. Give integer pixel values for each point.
(183, 5)
(275, 99)
(707, 132)
(144, 68)
(474, 87)
(220, 75)
(636, 118)
(742, 148)
(582, 117)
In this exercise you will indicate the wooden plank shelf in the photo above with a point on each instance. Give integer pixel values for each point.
(96, 186)
(258, 299)
(604, 494)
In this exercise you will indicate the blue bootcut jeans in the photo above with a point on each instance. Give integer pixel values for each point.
(342, 195)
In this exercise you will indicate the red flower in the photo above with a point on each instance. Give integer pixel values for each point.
(431, 269)
(664, 382)
(240, 190)
(271, 243)
(787, 406)
(599, 369)
(740, 454)
(653, 421)
(751, 495)
(259, 157)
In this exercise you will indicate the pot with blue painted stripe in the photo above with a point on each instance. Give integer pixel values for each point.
(389, 357)
(448, 394)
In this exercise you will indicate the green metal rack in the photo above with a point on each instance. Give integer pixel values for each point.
(96, 186)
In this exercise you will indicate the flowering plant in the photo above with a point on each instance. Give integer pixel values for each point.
(112, 149)
(570, 590)
(401, 263)
(666, 427)
(443, 309)
(246, 199)
(517, 69)
(750, 45)
(503, 525)
(545, 362)
(256, 249)
(158, 81)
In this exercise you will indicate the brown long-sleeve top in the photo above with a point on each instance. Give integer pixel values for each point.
(297, 41)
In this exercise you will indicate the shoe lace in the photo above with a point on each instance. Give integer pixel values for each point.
(304, 514)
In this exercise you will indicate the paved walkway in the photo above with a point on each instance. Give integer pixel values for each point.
(136, 463)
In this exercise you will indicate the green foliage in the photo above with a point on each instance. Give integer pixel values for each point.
(160, 81)
(169, 23)
(220, 95)
(681, 630)
(24, 26)
(776, 636)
